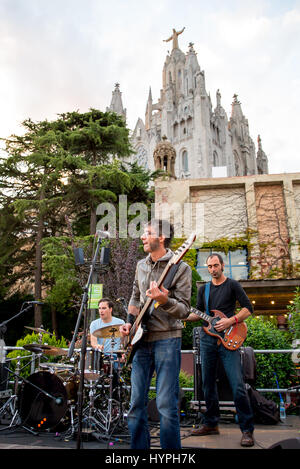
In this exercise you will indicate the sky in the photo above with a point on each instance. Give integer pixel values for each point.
(64, 55)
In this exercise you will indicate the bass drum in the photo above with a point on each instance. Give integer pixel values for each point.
(42, 412)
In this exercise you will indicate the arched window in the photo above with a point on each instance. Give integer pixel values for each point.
(185, 162)
(165, 163)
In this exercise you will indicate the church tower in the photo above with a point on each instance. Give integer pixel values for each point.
(206, 142)
(116, 104)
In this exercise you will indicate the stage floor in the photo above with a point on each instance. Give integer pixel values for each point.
(229, 438)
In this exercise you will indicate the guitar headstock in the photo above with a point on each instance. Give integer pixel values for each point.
(182, 250)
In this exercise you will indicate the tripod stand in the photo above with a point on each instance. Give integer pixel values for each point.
(11, 404)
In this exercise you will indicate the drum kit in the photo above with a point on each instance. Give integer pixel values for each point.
(47, 400)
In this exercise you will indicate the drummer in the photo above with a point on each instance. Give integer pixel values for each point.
(106, 319)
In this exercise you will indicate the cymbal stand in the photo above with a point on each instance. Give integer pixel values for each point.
(114, 411)
(11, 403)
(91, 417)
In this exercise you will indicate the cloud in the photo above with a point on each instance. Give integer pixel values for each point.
(60, 56)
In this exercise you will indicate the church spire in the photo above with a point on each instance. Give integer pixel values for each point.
(261, 159)
(116, 104)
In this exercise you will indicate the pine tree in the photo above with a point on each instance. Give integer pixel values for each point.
(55, 169)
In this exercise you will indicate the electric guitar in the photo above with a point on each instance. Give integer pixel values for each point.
(232, 338)
(137, 330)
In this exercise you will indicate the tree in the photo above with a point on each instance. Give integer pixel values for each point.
(56, 168)
(98, 138)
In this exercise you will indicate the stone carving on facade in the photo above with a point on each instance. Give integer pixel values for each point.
(164, 157)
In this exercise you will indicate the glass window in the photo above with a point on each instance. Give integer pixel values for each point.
(185, 163)
(236, 264)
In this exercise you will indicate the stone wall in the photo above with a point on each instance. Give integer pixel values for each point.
(266, 206)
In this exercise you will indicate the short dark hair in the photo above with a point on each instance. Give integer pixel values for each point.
(214, 254)
(106, 300)
(163, 227)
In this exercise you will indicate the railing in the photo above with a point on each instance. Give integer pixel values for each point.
(263, 390)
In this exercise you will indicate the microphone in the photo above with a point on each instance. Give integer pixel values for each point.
(102, 234)
(58, 400)
(34, 302)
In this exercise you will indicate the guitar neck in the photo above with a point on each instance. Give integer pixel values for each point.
(202, 315)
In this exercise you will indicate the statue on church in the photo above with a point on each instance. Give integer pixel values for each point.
(174, 37)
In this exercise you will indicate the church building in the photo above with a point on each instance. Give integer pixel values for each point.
(204, 143)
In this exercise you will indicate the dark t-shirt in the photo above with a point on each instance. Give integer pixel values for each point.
(224, 297)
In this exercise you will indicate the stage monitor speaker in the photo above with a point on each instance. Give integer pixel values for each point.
(79, 256)
(290, 443)
(104, 256)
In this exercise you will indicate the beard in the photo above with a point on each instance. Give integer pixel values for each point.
(152, 245)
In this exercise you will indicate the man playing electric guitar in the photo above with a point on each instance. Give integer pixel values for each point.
(223, 295)
(159, 348)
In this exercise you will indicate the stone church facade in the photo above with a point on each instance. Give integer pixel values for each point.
(206, 143)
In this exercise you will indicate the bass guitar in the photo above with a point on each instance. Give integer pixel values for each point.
(136, 332)
(232, 338)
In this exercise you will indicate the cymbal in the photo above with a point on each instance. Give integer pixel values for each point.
(46, 349)
(109, 331)
(36, 348)
(55, 351)
(38, 329)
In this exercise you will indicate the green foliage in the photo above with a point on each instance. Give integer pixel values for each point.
(227, 244)
(60, 270)
(294, 316)
(185, 381)
(33, 338)
(264, 335)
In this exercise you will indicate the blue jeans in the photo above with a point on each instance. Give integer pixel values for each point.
(163, 357)
(209, 352)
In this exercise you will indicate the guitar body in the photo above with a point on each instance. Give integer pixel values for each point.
(233, 337)
(130, 343)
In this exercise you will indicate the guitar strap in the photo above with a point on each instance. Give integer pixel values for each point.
(170, 275)
(207, 289)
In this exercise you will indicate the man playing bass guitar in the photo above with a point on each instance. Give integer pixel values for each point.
(223, 295)
(159, 348)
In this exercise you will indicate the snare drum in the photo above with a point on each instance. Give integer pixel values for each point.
(58, 368)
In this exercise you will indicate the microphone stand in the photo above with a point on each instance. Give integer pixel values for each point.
(84, 304)
(3, 327)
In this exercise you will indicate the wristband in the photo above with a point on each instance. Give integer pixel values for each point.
(131, 318)
(236, 319)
